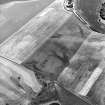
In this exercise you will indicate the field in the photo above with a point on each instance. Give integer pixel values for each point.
(69, 55)
(13, 17)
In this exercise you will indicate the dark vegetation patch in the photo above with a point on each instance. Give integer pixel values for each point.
(102, 11)
(49, 61)
(54, 104)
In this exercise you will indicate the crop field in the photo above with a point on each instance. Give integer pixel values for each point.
(54, 45)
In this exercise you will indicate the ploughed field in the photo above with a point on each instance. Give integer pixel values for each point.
(71, 46)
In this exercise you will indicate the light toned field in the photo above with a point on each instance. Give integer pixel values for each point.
(13, 17)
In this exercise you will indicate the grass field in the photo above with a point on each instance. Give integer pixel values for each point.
(13, 17)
